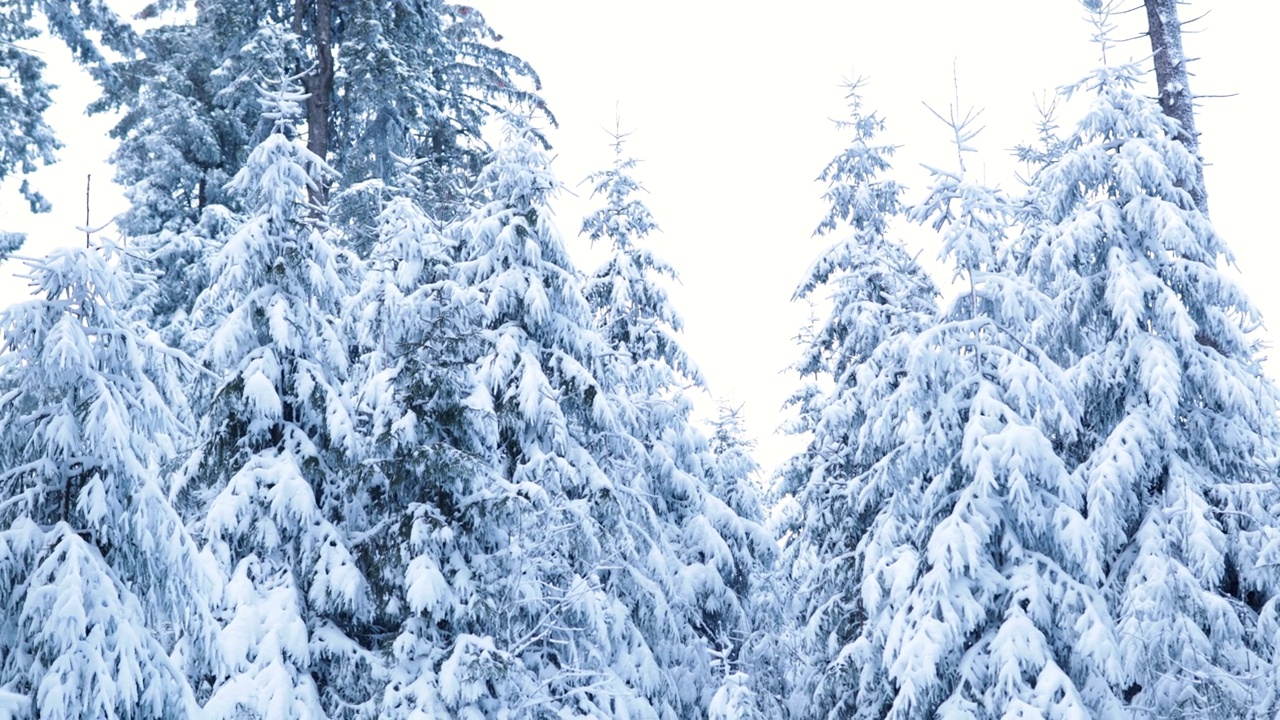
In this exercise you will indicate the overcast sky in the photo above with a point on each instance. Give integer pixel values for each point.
(731, 110)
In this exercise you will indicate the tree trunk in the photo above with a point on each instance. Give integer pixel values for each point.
(1165, 32)
(319, 83)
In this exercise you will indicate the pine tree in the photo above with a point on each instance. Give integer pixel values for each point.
(418, 80)
(272, 484)
(544, 634)
(880, 298)
(428, 444)
(190, 118)
(1175, 457)
(735, 478)
(944, 542)
(632, 309)
(755, 665)
(704, 503)
(568, 598)
(104, 596)
(190, 115)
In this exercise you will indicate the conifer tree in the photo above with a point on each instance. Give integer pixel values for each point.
(1176, 454)
(568, 598)
(271, 484)
(428, 446)
(705, 503)
(177, 156)
(753, 669)
(551, 631)
(943, 539)
(414, 80)
(102, 592)
(880, 298)
(419, 79)
(632, 309)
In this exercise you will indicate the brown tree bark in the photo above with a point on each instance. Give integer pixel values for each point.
(1165, 32)
(319, 83)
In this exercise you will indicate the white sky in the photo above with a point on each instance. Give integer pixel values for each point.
(732, 106)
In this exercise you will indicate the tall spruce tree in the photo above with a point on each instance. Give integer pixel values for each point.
(943, 538)
(1176, 453)
(104, 595)
(753, 669)
(432, 509)
(879, 298)
(551, 633)
(704, 503)
(272, 483)
(384, 80)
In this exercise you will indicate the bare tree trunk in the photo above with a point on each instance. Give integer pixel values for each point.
(1165, 32)
(318, 84)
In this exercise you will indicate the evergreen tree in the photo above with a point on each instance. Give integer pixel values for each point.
(715, 535)
(568, 598)
(412, 80)
(755, 664)
(431, 509)
(632, 309)
(736, 473)
(1176, 453)
(418, 80)
(102, 590)
(191, 117)
(880, 298)
(548, 633)
(272, 484)
(943, 541)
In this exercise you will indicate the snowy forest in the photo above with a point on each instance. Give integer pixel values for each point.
(330, 422)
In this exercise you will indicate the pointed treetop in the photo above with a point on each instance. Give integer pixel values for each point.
(623, 219)
(856, 193)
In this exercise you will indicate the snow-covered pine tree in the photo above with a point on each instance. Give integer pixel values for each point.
(418, 79)
(736, 476)
(542, 635)
(430, 511)
(753, 669)
(632, 308)
(1005, 615)
(944, 559)
(189, 115)
(273, 483)
(568, 577)
(103, 595)
(1175, 458)
(879, 298)
(178, 156)
(411, 79)
(26, 140)
(717, 536)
